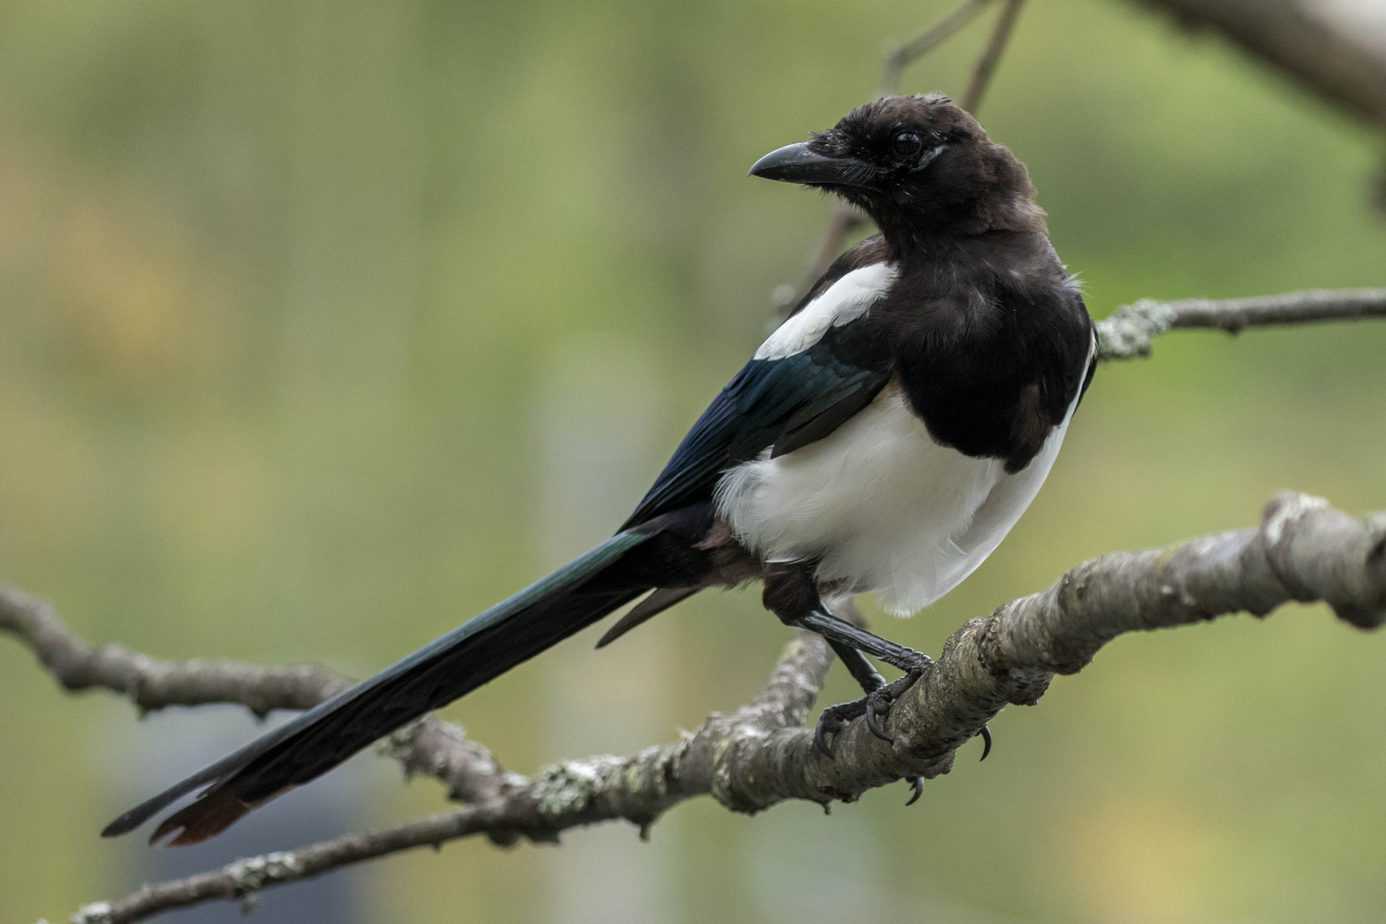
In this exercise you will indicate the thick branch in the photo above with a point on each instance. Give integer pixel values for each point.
(1130, 330)
(430, 746)
(1304, 550)
(1326, 48)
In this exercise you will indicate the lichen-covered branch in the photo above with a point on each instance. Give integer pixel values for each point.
(1304, 550)
(1129, 331)
(430, 746)
(637, 788)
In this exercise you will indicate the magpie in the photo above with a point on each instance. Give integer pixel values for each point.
(885, 437)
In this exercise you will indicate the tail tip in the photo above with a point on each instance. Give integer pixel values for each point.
(206, 818)
(203, 819)
(122, 825)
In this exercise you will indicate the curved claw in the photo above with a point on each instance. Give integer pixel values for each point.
(831, 721)
(876, 711)
(823, 738)
(986, 743)
(916, 790)
(875, 707)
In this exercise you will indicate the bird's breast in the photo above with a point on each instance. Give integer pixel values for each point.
(880, 505)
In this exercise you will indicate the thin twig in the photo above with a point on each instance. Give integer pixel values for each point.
(991, 56)
(902, 56)
(429, 746)
(1304, 550)
(1130, 330)
(842, 221)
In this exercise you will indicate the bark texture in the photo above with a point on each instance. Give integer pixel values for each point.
(1335, 48)
(1130, 331)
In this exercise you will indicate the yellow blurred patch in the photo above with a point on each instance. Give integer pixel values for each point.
(1139, 859)
(122, 286)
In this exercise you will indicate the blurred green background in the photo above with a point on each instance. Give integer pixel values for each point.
(327, 325)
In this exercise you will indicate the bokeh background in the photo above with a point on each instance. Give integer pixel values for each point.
(327, 325)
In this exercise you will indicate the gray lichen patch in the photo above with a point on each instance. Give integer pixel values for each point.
(571, 787)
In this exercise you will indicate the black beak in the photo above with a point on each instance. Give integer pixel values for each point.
(797, 163)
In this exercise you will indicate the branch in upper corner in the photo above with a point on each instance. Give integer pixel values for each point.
(1130, 330)
(1332, 49)
(759, 755)
(429, 746)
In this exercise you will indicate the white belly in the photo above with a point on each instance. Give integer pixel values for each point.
(882, 506)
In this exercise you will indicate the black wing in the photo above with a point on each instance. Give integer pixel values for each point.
(776, 404)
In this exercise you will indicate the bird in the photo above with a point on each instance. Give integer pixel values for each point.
(884, 438)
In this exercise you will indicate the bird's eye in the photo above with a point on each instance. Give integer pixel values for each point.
(906, 145)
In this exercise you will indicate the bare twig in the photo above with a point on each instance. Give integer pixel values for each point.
(1129, 330)
(1304, 550)
(842, 221)
(430, 746)
(902, 56)
(991, 55)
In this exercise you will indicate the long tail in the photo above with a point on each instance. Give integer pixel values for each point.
(570, 599)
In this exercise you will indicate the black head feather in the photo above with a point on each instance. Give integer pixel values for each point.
(921, 165)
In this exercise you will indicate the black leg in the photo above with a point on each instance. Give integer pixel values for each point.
(861, 670)
(791, 593)
(836, 629)
(870, 680)
(836, 717)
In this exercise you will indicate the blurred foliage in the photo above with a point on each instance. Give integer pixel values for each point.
(328, 325)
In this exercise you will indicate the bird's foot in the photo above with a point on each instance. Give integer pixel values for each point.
(875, 706)
(835, 718)
(832, 721)
(880, 702)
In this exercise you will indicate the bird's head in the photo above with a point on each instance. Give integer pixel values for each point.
(918, 165)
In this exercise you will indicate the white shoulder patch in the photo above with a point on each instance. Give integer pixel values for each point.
(842, 302)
